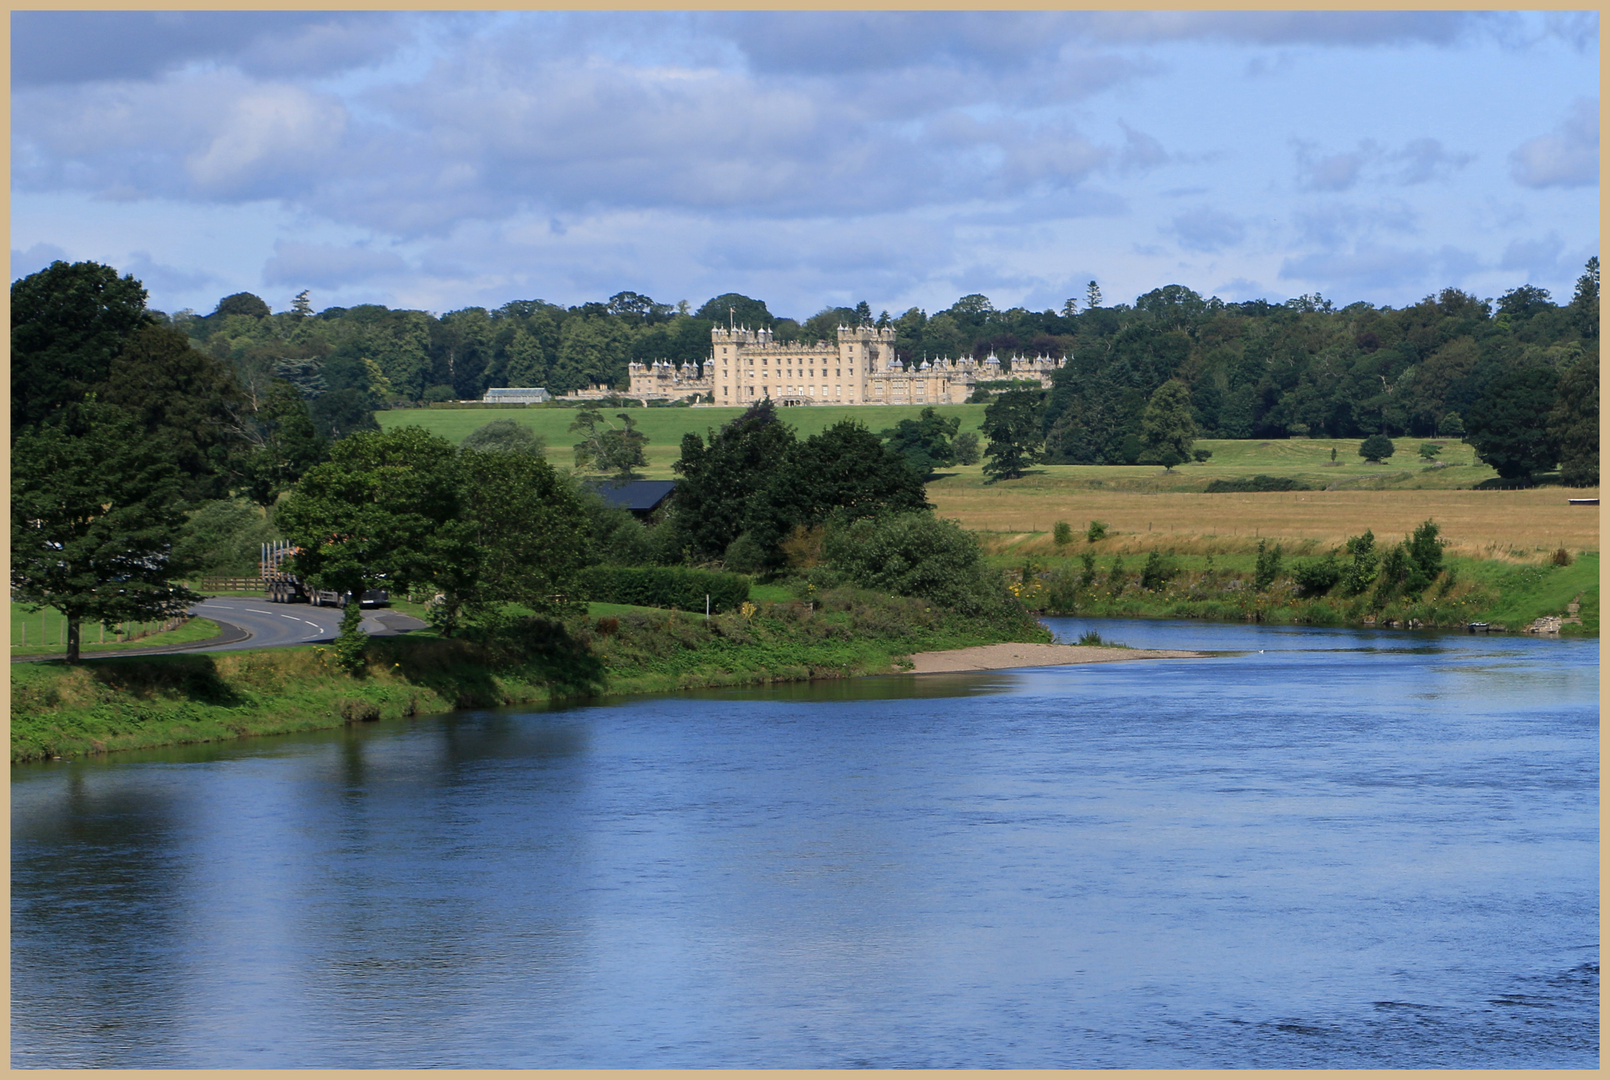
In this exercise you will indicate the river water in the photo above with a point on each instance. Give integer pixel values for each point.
(1324, 848)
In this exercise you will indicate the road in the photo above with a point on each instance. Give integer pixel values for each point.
(250, 623)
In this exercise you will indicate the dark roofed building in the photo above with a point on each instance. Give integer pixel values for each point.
(641, 497)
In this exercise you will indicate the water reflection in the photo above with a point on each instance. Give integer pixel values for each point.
(1339, 851)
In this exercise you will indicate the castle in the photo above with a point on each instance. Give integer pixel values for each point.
(861, 369)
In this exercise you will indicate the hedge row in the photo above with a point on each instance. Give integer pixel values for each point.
(664, 587)
(1260, 482)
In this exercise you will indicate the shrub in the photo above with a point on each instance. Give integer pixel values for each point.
(1429, 450)
(664, 587)
(1097, 531)
(1561, 557)
(1201, 455)
(917, 554)
(1361, 572)
(1115, 576)
(1424, 552)
(1260, 482)
(1393, 573)
(1158, 571)
(1062, 534)
(1268, 566)
(1376, 448)
(1088, 576)
(1316, 577)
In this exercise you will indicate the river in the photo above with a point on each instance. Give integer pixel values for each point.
(1323, 848)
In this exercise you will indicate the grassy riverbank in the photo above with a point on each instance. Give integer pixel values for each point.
(131, 703)
(1202, 580)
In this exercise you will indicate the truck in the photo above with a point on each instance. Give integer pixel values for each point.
(281, 586)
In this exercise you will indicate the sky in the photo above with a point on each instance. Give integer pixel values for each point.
(438, 160)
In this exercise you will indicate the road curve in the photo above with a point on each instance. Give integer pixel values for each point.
(268, 625)
(251, 623)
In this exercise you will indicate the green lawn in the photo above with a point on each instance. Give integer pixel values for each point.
(664, 427)
(43, 633)
(1308, 460)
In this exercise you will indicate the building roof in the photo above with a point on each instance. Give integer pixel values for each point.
(636, 495)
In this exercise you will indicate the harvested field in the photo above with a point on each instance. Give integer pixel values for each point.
(1479, 524)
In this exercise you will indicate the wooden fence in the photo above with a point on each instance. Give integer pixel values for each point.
(228, 584)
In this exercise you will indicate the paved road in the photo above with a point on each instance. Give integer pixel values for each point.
(250, 623)
(268, 625)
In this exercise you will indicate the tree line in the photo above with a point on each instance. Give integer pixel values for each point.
(1253, 369)
(1519, 380)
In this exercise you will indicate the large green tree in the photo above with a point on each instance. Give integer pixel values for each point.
(1167, 428)
(736, 308)
(384, 512)
(841, 474)
(1574, 423)
(528, 531)
(928, 442)
(1012, 426)
(96, 504)
(284, 444)
(187, 401)
(1509, 426)
(67, 322)
(608, 449)
(722, 477)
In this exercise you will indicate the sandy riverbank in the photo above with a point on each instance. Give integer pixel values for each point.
(993, 657)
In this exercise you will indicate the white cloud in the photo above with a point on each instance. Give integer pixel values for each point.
(1566, 157)
(1207, 230)
(1333, 172)
(329, 265)
(270, 133)
(1422, 160)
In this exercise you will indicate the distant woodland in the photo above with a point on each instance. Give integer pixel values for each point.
(1254, 369)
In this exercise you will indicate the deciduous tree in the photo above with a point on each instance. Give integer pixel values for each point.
(383, 512)
(1167, 428)
(1012, 425)
(926, 442)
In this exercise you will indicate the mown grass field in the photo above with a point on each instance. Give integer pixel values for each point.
(664, 427)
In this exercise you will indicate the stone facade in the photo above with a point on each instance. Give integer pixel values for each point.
(664, 381)
(859, 369)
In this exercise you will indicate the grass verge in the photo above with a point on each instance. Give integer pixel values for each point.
(41, 634)
(130, 703)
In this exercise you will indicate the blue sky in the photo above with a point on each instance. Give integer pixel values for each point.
(442, 160)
